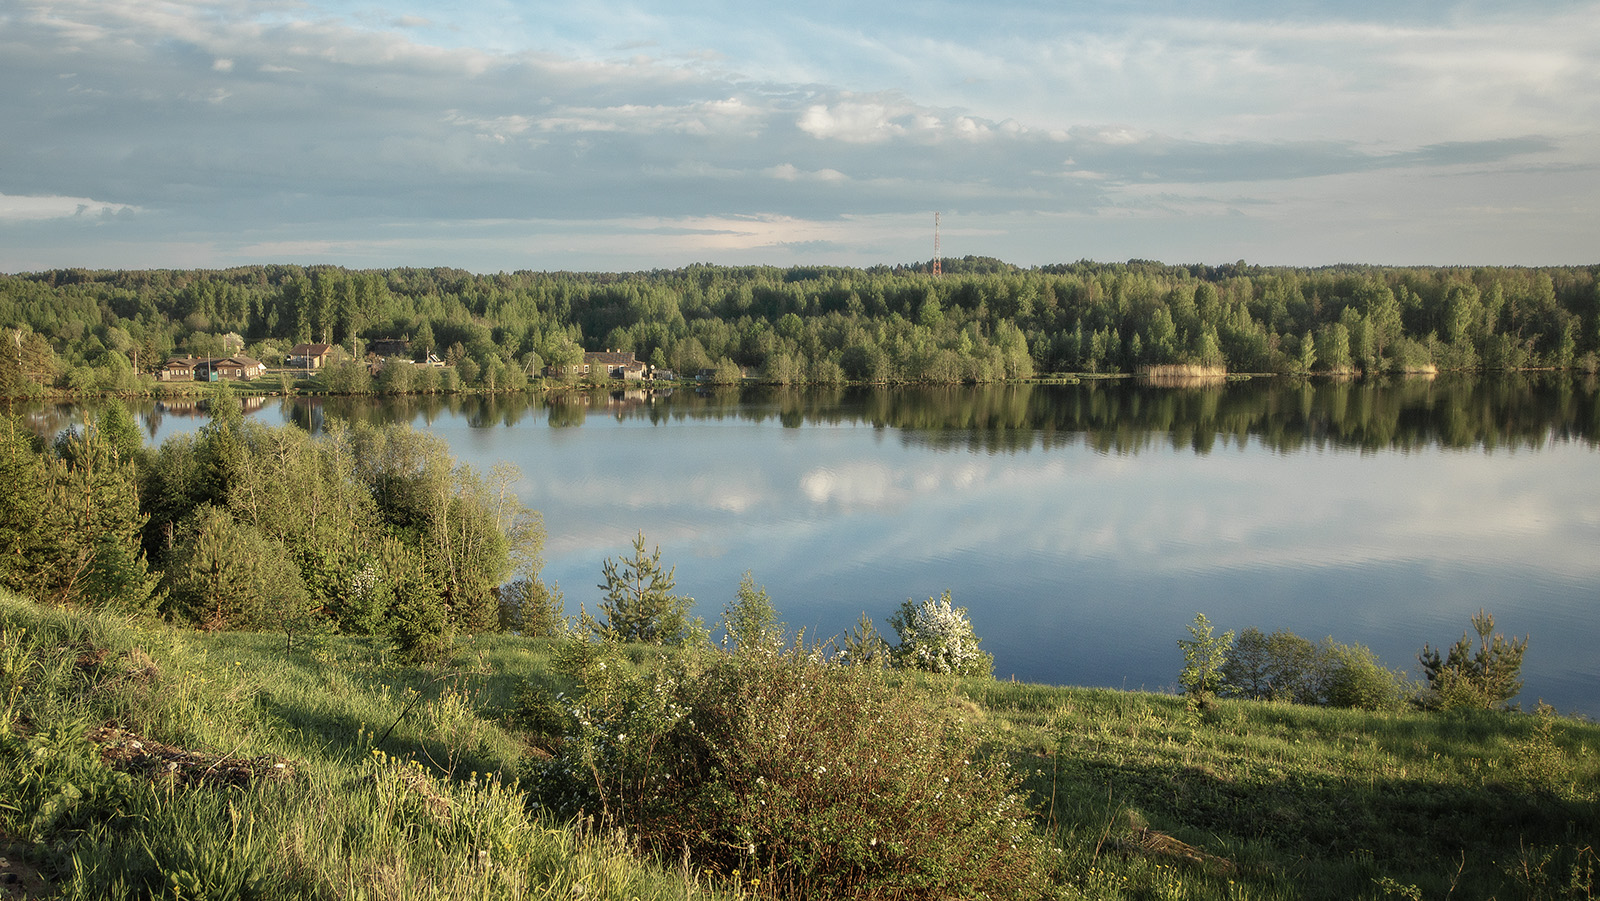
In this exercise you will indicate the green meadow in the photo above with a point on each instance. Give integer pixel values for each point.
(141, 760)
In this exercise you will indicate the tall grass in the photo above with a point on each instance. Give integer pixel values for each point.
(400, 788)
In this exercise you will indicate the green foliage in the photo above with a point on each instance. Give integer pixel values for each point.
(864, 645)
(750, 619)
(937, 636)
(346, 377)
(1482, 678)
(1286, 667)
(23, 528)
(223, 574)
(470, 530)
(354, 821)
(1204, 656)
(530, 607)
(1356, 679)
(977, 323)
(420, 620)
(639, 604)
(1264, 801)
(86, 547)
(801, 777)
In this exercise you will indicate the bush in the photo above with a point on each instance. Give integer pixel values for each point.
(531, 608)
(1355, 678)
(809, 778)
(1277, 667)
(1285, 667)
(937, 636)
(419, 621)
(750, 619)
(864, 646)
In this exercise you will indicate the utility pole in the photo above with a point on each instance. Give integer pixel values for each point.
(936, 263)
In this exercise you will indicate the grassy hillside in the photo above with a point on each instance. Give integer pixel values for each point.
(137, 760)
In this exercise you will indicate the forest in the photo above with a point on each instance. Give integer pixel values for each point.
(981, 320)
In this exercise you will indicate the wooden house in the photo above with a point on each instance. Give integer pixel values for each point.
(310, 356)
(239, 368)
(606, 364)
(177, 369)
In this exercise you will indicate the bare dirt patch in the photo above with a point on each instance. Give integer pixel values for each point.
(130, 753)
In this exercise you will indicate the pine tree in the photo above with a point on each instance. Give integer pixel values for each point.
(639, 604)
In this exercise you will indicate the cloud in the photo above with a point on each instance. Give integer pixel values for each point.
(791, 172)
(33, 209)
(249, 121)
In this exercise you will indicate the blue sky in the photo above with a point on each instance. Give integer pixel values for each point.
(604, 135)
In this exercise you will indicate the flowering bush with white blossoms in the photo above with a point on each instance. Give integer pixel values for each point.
(937, 636)
(795, 775)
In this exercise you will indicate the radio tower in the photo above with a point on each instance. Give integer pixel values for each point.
(936, 267)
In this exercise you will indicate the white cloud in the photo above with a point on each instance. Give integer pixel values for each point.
(791, 172)
(853, 122)
(15, 208)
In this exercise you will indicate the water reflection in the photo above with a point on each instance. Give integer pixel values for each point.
(1110, 416)
(1083, 525)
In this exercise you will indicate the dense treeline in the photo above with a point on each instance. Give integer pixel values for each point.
(366, 529)
(981, 321)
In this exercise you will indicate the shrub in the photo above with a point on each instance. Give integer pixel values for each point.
(1353, 677)
(1486, 678)
(1285, 667)
(937, 636)
(864, 646)
(1277, 667)
(809, 778)
(419, 621)
(751, 619)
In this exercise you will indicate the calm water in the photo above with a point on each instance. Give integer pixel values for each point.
(1083, 526)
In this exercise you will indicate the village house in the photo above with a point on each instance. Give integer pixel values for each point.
(239, 368)
(178, 369)
(610, 364)
(310, 356)
(390, 347)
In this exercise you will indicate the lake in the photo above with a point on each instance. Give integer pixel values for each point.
(1082, 526)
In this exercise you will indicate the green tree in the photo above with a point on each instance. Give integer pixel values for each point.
(23, 527)
(639, 604)
(1204, 656)
(864, 645)
(121, 433)
(225, 574)
(1333, 348)
(1279, 667)
(346, 377)
(1285, 667)
(420, 619)
(531, 608)
(94, 523)
(1484, 677)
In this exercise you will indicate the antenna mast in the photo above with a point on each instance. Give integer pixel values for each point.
(936, 266)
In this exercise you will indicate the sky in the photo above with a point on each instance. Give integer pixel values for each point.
(605, 135)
